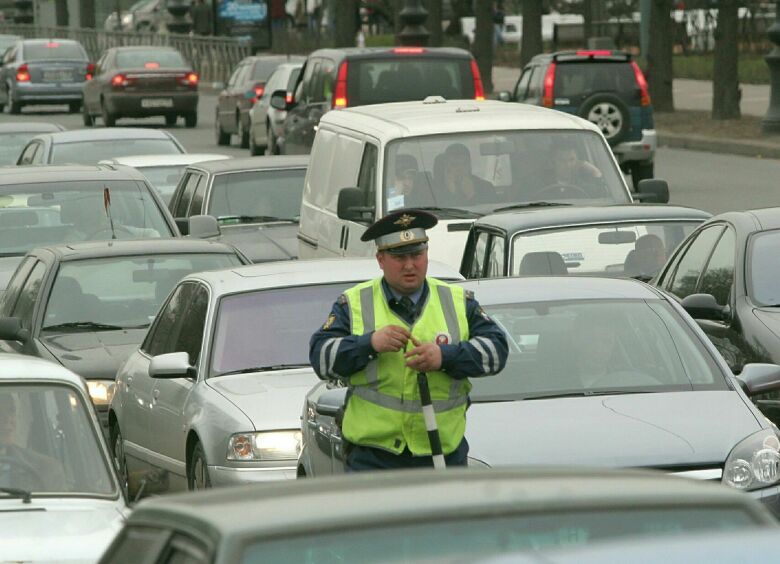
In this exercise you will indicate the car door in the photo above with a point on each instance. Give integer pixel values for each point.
(170, 396)
(24, 307)
(535, 87)
(321, 94)
(182, 200)
(226, 102)
(28, 153)
(297, 118)
(521, 88)
(5, 72)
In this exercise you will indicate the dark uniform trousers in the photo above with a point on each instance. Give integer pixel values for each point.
(361, 458)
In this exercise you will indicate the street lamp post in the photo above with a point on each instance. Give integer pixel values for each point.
(413, 31)
(771, 122)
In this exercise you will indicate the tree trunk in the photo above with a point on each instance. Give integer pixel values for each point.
(531, 40)
(587, 19)
(346, 23)
(725, 78)
(434, 22)
(659, 56)
(483, 42)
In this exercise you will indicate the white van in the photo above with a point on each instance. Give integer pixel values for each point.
(458, 159)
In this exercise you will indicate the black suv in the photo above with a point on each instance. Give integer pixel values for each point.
(337, 78)
(605, 87)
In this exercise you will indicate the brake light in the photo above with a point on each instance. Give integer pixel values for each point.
(288, 98)
(597, 53)
(259, 91)
(52, 45)
(409, 50)
(644, 93)
(151, 65)
(340, 94)
(189, 79)
(23, 73)
(549, 83)
(479, 90)
(90, 71)
(119, 80)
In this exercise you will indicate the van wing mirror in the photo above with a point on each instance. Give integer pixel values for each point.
(279, 100)
(331, 401)
(759, 378)
(202, 226)
(652, 190)
(703, 306)
(351, 206)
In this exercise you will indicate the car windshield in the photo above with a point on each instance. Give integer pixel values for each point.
(484, 171)
(468, 539)
(263, 69)
(164, 178)
(11, 145)
(34, 215)
(621, 249)
(53, 50)
(92, 152)
(765, 268)
(120, 292)
(157, 58)
(280, 339)
(48, 445)
(583, 347)
(240, 197)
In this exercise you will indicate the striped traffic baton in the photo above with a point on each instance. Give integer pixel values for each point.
(430, 422)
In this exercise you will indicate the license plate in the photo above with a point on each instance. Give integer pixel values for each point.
(57, 76)
(156, 102)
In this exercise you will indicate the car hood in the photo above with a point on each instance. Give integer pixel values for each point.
(61, 531)
(770, 318)
(271, 400)
(265, 241)
(7, 267)
(637, 430)
(447, 240)
(96, 354)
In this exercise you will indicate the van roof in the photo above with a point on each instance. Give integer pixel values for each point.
(438, 116)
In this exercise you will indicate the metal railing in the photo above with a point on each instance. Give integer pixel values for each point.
(213, 58)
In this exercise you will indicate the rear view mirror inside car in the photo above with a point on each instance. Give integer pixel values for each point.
(617, 237)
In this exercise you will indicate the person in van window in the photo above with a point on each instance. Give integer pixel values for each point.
(569, 169)
(456, 182)
(405, 173)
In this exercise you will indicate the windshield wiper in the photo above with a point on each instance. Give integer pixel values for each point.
(457, 212)
(587, 393)
(268, 368)
(259, 218)
(531, 205)
(17, 492)
(82, 325)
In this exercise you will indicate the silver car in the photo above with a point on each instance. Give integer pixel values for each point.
(212, 397)
(266, 123)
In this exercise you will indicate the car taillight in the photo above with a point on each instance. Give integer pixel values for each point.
(549, 83)
(409, 50)
(288, 98)
(189, 79)
(259, 92)
(119, 80)
(479, 90)
(152, 65)
(596, 53)
(340, 94)
(644, 93)
(90, 71)
(23, 73)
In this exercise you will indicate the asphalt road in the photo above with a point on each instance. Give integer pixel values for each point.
(714, 182)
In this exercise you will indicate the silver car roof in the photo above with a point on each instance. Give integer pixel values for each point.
(30, 368)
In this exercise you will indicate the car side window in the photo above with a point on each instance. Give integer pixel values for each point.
(367, 174)
(522, 85)
(25, 304)
(196, 208)
(186, 195)
(535, 83)
(28, 154)
(233, 80)
(10, 56)
(691, 265)
(185, 550)
(310, 80)
(718, 276)
(14, 286)
(477, 267)
(495, 258)
(190, 334)
(138, 544)
(325, 85)
(162, 337)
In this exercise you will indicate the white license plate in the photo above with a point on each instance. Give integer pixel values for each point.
(57, 76)
(156, 102)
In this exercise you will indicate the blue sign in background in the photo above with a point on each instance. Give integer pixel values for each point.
(245, 19)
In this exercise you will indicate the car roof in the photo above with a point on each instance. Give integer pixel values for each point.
(254, 163)
(13, 175)
(145, 48)
(438, 116)
(30, 127)
(23, 367)
(529, 289)
(391, 51)
(140, 161)
(765, 218)
(52, 39)
(107, 133)
(284, 58)
(287, 507)
(131, 247)
(281, 274)
(540, 218)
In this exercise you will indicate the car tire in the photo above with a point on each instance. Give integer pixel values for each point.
(191, 119)
(641, 171)
(118, 454)
(222, 137)
(610, 114)
(243, 134)
(170, 120)
(109, 119)
(198, 470)
(87, 118)
(14, 107)
(74, 107)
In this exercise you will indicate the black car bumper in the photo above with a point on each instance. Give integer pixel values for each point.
(152, 103)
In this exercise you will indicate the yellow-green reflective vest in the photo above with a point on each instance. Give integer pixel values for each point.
(384, 407)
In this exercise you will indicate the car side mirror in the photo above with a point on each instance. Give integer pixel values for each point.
(331, 401)
(652, 190)
(758, 378)
(504, 96)
(11, 330)
(203, 226)
(279, 100)
(171, 365)
(351, 206)
(703, 306)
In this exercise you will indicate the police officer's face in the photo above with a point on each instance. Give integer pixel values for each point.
(404, 273)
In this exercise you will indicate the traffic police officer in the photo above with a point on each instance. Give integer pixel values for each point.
(381, 333)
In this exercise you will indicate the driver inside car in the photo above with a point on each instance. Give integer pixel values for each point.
(570, 170)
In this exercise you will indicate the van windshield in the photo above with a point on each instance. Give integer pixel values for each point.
(482, 172)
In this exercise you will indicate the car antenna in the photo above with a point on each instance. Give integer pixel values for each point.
(107, 206)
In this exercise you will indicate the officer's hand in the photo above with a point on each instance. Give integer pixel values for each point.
(390, 338)
(424, 357)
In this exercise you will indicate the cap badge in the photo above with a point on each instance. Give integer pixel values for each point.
(406, 235)
(405, 220)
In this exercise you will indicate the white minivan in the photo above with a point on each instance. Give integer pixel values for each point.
(458, 159)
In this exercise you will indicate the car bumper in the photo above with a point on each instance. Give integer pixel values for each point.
(641, 150)
(227, 476)
(47, 93)
(132, 105)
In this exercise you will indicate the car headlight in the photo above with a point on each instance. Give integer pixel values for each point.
(101, 391)
(274, 445)
(754, 463)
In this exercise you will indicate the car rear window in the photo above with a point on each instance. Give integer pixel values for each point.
(263, 69)
(580, 78)
(406, 78)
(92, 152)
(53, 50)
(157, 58)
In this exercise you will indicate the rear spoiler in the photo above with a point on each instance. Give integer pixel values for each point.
(592, 54)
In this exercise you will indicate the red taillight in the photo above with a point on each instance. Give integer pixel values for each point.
(119, 80)
(23, 73)
(90, 71)
(340, 94)
(189, 79)
(409, 50)
(288, 99)
(597, 53)
(52, 45)
(644, 93)
(549, 83)
(151, 65)
(259, 91)
(479, 90)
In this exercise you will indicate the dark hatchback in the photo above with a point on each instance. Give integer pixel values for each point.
(341, 78)
(727, 276)
(142, 82)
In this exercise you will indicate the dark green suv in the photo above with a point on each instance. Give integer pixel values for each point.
(605, 87)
